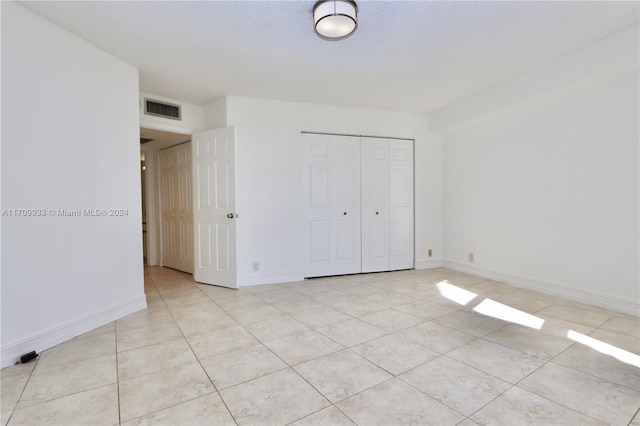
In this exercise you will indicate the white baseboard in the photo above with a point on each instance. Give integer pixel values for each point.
(259, 279)
(619, 304)
(428, 264)
(39, 342)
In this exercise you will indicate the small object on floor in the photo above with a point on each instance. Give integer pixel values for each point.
(28, 357)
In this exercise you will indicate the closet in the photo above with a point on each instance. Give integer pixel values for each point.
(358, 204)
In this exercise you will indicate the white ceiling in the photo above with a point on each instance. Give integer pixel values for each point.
(415, 56)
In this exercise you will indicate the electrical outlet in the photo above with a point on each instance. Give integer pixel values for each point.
(430, 252)
(470, 256)
(256, 266)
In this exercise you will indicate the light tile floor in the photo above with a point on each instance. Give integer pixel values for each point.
(389, 349)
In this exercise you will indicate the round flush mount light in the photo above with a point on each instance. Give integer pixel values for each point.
(335, 19)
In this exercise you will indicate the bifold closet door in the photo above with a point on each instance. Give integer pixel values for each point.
(332, 205)
(375, 204)
(401, 246)
(177, 210)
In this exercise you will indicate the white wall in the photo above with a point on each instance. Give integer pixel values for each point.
(269, 188)
(69, 141)
(545, 191)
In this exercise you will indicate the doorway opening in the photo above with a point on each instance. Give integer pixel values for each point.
(152, 142)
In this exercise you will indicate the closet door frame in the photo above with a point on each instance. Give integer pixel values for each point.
(326, 220)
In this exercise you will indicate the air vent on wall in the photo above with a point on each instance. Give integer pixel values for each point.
(162, 109)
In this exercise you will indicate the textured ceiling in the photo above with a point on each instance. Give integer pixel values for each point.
(406, 55)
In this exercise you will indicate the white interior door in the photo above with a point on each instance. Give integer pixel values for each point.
(375, 204)
(214, 207)
(401, 247)
(345, 181)
(332, 205)
(177, 213)
(317, 204)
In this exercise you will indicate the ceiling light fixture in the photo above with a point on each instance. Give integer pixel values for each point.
(335, 19)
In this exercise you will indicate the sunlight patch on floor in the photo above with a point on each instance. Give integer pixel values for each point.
(605, 348)
(455, 293)
(507, 313)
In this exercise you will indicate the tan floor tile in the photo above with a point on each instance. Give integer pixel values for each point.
(361, 289)
(196, 312)
(201, 318)
(238, 300)
(468, 422)
(179, 298)
(152, 392)
(81, 348)
(499, 361)
(297, 305)
(239, 366)
(391, 320)
(97, 406)
(437, 337)
(327, 416)
(253, 313)
(278, 295)
(603, 400)
(396, 403)
(529, 341)
(145, 317)
(390, 299)
(303, 347)
(624, 325)
(275, 327)
(320, 317)
(205, 410)
(595, 363)
(455, 385)
(141, 361)
(17, 370)
(145, 336)
(351, 332)
(69, 379)
(278, 398)
(623, 341)
(525, 408)
(471, 323)
(560, 328)
(490, 287)
(341, 374)
(517, 301)
(356, 306)
(425, 310)
(394, 353)
(573, 314)
(216, 292)
(161, 381)
(217, 342)
(11, 388)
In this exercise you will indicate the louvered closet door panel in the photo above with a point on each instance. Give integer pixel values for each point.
(375, 204)
(401, 247)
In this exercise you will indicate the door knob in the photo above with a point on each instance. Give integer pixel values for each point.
(230, 215)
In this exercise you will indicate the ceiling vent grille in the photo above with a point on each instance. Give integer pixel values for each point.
(162, 109)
